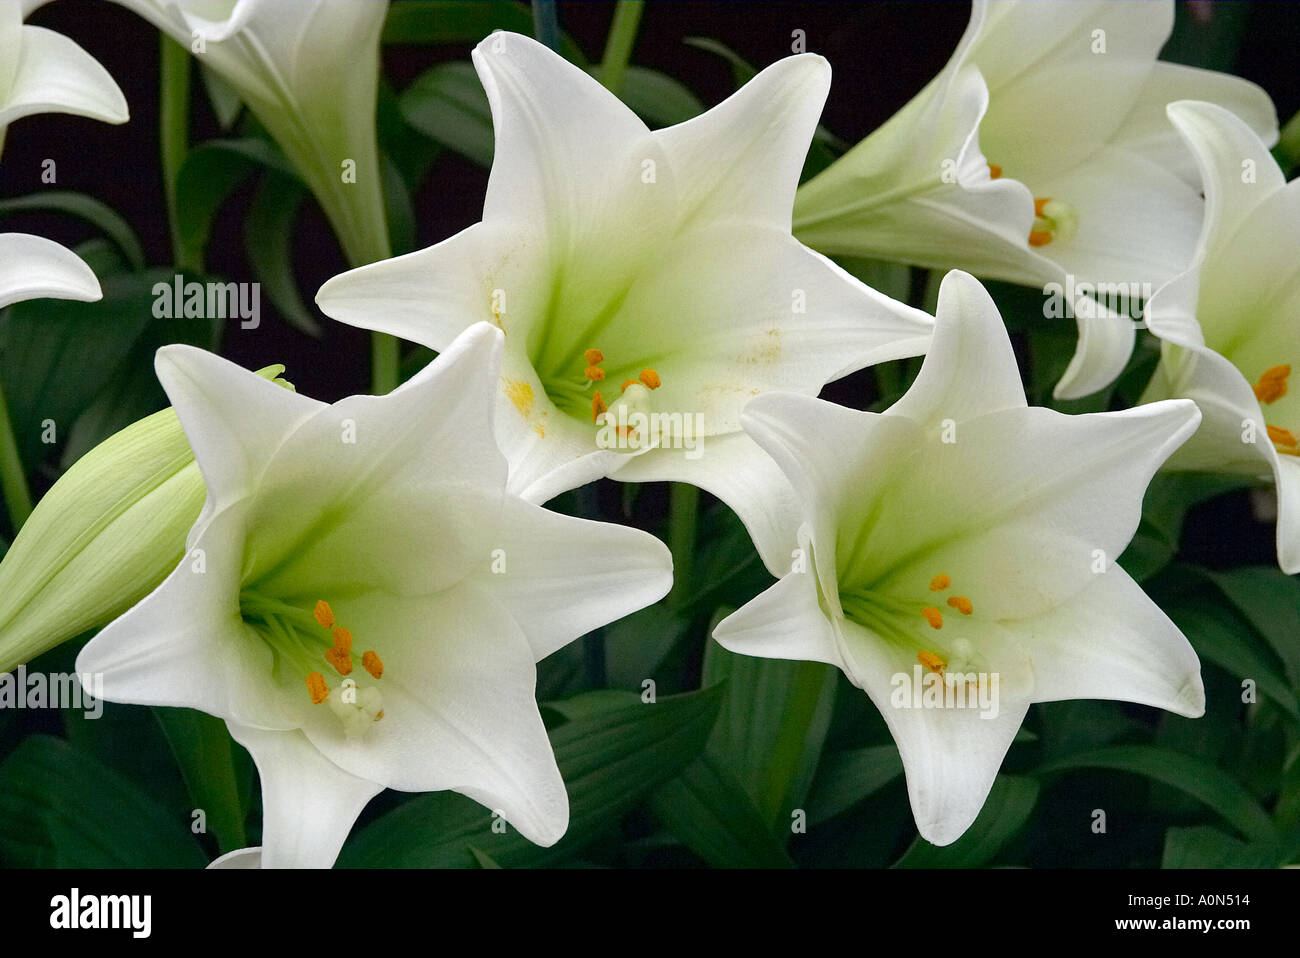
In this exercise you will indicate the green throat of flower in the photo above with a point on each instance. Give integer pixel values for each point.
(591, 396)
(915, 626)
(304, 644)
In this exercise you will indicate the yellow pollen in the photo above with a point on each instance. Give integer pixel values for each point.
(931, 661)
(379, 715)
(373, 664)
(939, 583)
(650, 378)
(995, 171)
(316, 686)
(340, 659)
(961, 604)
(324, 614)
(594, 373)
(1272, 385)
(598, 407)
(520, 394)
(933, 616)
(594, 357)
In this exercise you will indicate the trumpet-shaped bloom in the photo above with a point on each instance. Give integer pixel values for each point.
(1230, 324)
(44, 72)
(309, 70)
(364, 603)
(957, 557)
(1041, 150)
(647, 282)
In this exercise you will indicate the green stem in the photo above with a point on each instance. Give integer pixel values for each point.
(13, 480)
(546, 25)
(618, 45)
(174, 132)
(683, 506)
(385, 363)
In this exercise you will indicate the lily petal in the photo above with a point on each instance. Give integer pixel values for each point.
(55, 75)
(37, 268)
(308, 803)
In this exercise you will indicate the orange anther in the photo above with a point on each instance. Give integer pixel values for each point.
(939, 583)
(650, 378)
(340, 659)
(995, 171)
(598, 407)
(930, 661)
(1040, 203)
(1272, 385)
(317, 687)
(933, 616)
(343, 639)
(1039, 237)
(961, 604)
(595, 373)
(373, 664)
(1282, 437)
(324, 614)
(594, 357)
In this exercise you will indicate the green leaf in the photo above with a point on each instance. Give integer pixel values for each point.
(1270, 601)
(656, 97)
(203, 749)
(207, 177)
(741, 71)
(637, 645)
(447, 104)
(60, 808)
(609, 760)
(55, 355)
(399, 211)
(443, 22)
(846, 778)
(1005, 811)
(93, 211)
(268, 231)
(772, 726)
(1186, 773)
(1203, 846)
(1218, 634)
(708, 809)
(483, 858)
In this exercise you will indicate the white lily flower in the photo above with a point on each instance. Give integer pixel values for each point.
(309, 70)
(647, 281)
(44, 72)
(362, 601)
(1230, 324)
(958, 557)
(1040, 155)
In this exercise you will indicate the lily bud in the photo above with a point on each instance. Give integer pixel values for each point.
(105, 536)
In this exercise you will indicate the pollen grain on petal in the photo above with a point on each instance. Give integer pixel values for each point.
(650, 378)
(324, 614)
(961, 604)
(931, 661)
(317, 688)
(939, 583)
(520, 395)
(933, 616)
(373, 664)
